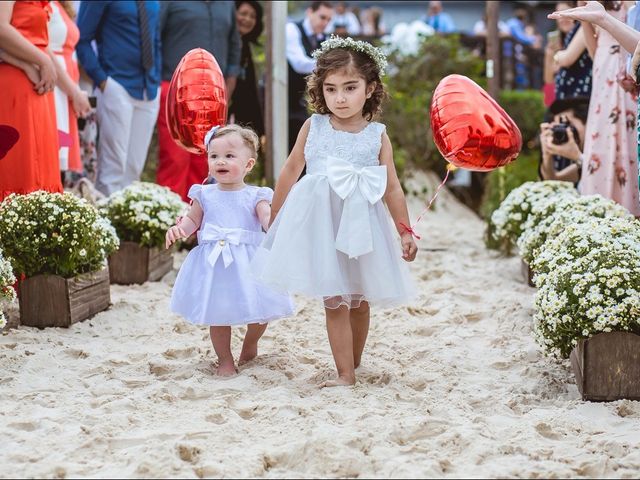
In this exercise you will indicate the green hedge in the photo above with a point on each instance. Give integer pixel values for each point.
(526, 107)
(498, 185)
(411, 87)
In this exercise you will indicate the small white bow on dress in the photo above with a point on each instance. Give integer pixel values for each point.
(357, 186)
(221, 238)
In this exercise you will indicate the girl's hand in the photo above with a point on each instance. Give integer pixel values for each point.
(174, 234)
(409, 247)
(592, 12)
(80, 102)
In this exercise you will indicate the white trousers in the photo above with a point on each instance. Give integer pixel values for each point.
(126, 126)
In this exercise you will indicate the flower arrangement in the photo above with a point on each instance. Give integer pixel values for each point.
(550, 217)
(7, 279)
(54, 233)
(577, 240)
(405, 39)
(590, 283)
(508, 219)
(143, 212)
(350, 44)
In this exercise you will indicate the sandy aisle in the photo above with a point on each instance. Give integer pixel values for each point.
(453, 385)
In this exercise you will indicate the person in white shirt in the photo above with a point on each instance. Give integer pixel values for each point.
(302, 39)
(344, 21)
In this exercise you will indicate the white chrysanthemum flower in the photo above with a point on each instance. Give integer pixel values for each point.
(595, 266)
(143, 212)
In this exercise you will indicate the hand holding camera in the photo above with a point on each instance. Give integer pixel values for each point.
(560, 139)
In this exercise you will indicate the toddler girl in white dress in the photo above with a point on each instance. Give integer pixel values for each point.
(214, 286)
(332, 237)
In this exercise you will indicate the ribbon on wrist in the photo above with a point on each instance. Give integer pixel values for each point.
(408, 229)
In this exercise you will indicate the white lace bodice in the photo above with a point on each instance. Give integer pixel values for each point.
(361, 149)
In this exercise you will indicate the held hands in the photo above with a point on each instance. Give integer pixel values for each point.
(33, 74)
(409, 247)
(48, 75)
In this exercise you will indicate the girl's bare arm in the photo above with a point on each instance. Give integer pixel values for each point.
(290, 172)
(396, 201)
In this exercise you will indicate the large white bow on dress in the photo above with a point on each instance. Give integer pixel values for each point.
(356, 186)
(221, 238)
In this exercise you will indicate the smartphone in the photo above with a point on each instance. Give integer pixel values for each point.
(553, 36)
(93, 102)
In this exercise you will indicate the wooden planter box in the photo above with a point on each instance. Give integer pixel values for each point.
(527, 273)
(607, 366)
(53, 301)
(132, 263)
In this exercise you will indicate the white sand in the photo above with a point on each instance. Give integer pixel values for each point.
(453, 385)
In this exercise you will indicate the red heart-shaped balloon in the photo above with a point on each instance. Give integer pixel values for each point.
(469, 128)
(8, 138)
(196, 100)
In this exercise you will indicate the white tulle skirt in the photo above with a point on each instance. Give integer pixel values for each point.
(299, 255)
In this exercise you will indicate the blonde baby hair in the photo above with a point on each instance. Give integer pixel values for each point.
(249, 137)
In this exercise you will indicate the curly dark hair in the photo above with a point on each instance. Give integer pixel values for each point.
(339, 58)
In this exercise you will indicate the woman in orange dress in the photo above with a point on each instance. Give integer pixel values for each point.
(70, 100)
(28, 132)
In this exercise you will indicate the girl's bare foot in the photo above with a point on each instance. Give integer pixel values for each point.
(248, 353)
(341, 381)
(226, 369)
(250, 343)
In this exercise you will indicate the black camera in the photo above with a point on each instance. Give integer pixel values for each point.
(560, 135)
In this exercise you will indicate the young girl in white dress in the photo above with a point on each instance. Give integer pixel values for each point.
(214, 285)
(331, 237)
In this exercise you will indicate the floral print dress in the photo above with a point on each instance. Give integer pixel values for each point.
(610, 165)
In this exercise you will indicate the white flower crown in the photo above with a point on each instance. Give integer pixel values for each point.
(358, 45)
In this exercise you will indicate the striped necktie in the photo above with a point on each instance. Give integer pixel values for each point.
(145, 35)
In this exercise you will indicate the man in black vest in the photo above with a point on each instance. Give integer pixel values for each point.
(303, 38)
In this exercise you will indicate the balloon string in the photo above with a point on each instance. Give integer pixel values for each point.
(450, 168)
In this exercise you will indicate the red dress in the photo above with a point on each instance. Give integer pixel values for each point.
(177, 168)
(28, 132)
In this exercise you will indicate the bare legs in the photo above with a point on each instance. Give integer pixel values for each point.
(359, 318)
(221, 340)
(250, 343)
(347, 330)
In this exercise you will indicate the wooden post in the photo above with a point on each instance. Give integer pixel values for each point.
(493, 48)
(276, 100)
